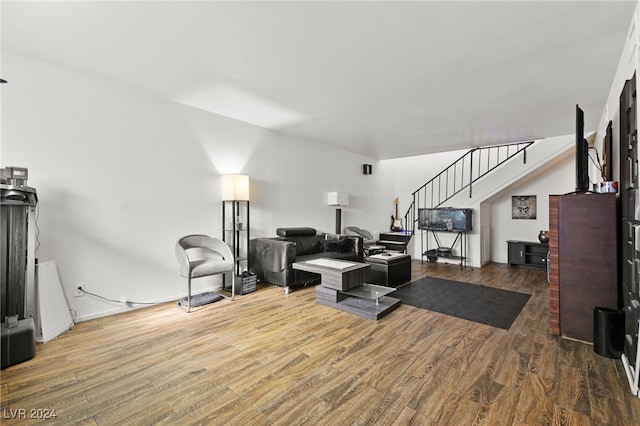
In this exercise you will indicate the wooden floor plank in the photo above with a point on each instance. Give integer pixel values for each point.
(536, 405)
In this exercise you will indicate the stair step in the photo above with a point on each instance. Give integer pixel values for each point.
(402, 236)
(395, 241)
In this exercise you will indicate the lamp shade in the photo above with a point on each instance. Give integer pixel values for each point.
(338, 199)
(235, 188)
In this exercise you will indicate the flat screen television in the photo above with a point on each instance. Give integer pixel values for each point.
(582, 154)
(445, 219)
(607, 157)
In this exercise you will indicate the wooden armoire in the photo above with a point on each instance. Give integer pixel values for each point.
(583, 261)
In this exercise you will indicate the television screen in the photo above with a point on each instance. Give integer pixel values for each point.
(445, 219)
(582, 154)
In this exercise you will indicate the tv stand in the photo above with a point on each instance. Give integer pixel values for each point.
(445, 251)
(526, 253)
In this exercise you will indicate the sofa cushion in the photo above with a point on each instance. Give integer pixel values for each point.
(351, 256)
(307, 245)
(342, 245)
(295, 232)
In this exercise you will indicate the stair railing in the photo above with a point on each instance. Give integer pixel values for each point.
(460, 175)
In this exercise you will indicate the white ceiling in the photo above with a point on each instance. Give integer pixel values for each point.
(386, 79)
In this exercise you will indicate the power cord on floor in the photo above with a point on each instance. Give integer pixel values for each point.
(128, 302)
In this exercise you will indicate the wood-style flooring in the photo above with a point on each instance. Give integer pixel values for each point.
(269, 358)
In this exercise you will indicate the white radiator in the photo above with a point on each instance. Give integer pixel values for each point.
(53, 316)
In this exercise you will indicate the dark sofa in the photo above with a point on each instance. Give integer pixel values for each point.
(271, 258)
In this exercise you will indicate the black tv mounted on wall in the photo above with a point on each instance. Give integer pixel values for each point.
(445, 219)
(582, 154)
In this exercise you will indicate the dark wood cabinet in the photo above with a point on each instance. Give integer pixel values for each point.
(527, 253)
(583, 269)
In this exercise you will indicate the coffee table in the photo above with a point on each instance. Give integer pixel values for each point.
(338, 274)
(343, 285)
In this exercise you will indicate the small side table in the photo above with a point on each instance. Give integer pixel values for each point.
(389, 269)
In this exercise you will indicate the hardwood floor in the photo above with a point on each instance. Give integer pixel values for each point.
(267, 358)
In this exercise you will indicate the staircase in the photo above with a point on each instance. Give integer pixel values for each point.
(461, 175)
(477, 176)
(395, 241)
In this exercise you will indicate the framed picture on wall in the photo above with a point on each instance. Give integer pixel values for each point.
(523, 207)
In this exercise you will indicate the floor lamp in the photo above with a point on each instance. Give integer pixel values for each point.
(338, 199)
(235, 193)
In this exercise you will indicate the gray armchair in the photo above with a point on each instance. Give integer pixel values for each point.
(370, 241)
(368, 237)
(201, 256)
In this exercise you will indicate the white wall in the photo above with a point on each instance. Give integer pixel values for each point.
(121, 176)
(559, 178)
(412, 172)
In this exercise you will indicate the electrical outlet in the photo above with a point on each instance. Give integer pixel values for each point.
(79, 290)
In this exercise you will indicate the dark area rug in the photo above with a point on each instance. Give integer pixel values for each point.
(473, 302)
